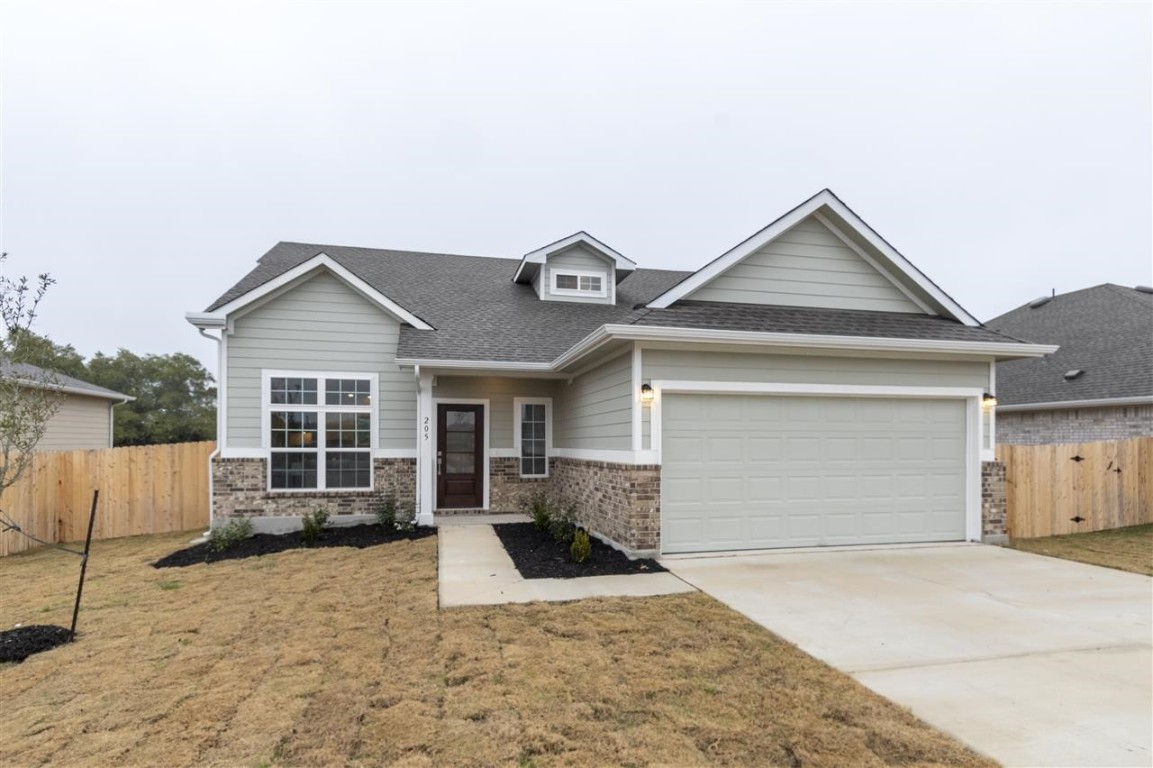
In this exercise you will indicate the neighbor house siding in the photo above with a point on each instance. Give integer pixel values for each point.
(682, 365)
(320, 325)
(594, 411)
(807, 266)
(500, 393)
(581, 258)
(80, 423)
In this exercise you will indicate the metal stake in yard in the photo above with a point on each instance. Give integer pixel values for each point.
(84, 565)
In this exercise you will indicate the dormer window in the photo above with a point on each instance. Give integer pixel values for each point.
(578, 283)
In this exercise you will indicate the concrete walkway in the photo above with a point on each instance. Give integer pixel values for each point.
(1031, 660)
(474, 569)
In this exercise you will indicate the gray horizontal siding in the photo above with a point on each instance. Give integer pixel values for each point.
(806, 369)
(500, 393)
(578, 257)
(80, 423)
(807, 266)
(320, 325)
(595, 410)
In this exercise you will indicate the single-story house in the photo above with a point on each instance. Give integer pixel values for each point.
(808, 387)
(1097, 386)
(83, 420)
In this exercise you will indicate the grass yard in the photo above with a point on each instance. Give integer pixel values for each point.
(1127, 549)
(340, 657)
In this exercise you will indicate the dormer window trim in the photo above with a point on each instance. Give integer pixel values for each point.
(583, 278)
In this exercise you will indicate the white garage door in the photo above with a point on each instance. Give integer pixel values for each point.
(762, 471)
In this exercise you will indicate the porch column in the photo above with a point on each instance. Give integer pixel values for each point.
(425, 460)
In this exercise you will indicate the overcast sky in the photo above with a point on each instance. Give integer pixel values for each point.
(151, 152)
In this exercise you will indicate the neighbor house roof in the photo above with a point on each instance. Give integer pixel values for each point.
(479, 314)
(36, 376)
(1105, 331)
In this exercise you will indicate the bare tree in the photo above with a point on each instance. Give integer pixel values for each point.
(29, 396)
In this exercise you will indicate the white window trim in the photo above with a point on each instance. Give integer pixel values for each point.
(556, 272)
(267, 407)
(518, 404)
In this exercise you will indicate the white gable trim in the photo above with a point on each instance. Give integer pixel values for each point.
(216, 318)
(791, 219)
(540, 255)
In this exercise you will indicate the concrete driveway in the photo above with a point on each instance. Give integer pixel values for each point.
(1031, 660)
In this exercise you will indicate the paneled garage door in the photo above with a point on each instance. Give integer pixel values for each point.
(765, 471)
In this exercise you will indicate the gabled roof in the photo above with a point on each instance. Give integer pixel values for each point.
(532, 260)
(1105, 331)
(855, 233)
(35, 376)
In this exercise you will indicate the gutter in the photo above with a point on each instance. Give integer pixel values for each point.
(1066, 404)
(219, 425)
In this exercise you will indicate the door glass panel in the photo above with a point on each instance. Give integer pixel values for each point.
(460, 463)
(460, 421)
(459, 442)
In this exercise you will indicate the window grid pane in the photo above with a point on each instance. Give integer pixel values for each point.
(293, 429)
(292, 391)
(347, 469)
(567, 282)
(294, 470)
(347, 430)
(347, 392)
(533, 440)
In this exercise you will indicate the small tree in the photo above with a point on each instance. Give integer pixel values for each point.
(28, 398)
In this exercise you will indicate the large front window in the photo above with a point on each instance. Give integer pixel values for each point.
(319, 431)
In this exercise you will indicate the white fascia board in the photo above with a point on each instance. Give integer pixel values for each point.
(1068, 404)
(798, 340)
(791, 219)
(218, 317)
(479, 365)
(540, 255)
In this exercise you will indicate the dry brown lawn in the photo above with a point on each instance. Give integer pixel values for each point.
(340, 657)
(1127, 549)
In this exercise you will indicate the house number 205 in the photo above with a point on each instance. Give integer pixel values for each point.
(426, 428)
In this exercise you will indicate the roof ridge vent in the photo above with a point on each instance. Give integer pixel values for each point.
(1144, 288)
(1076, 373)
(1040, 302)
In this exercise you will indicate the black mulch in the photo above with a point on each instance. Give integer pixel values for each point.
(538, 556)
(359, 536)
(21, 642)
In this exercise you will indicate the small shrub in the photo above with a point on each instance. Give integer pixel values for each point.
(386, 511)
(581, 546)
(313, 523)
(228, 536)
(563, 525)
(540, 507)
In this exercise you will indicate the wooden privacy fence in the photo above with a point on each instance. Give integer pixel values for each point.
(143, 489)
(1077, 487)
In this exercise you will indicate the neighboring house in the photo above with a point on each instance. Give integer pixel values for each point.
(808, 387)
(83, 419)
(1097, 386)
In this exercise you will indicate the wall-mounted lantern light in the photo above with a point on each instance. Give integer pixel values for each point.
(989, 401)
(646, 393)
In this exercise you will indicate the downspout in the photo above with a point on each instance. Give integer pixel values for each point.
(219, 424)
(112, 421)
(419, 422)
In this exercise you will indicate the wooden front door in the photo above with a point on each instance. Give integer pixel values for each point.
(459, 456)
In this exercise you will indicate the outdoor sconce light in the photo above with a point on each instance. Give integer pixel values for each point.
(989, 401)
(646, 393)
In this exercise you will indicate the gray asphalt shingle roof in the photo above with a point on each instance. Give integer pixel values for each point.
(1107, 331)
(480, 314)
(28, 372)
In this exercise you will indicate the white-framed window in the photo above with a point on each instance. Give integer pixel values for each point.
(577, 282)
(319, 429)
(532, 425)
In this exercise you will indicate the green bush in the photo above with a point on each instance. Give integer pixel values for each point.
(540, 507)
(386, 510)
(581, 546)
(313, 523)
(228, 536)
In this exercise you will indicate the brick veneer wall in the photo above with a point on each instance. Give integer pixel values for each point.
(994, 509)
(619, 501)
(1074, 425)
(239, 489)
(507, 489)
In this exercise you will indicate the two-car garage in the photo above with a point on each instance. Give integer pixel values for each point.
(743, 470)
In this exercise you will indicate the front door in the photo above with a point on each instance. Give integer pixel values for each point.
(460, 456)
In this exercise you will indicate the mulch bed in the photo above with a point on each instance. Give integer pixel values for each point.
(358, 536)
(538, 556)
(19, 643)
